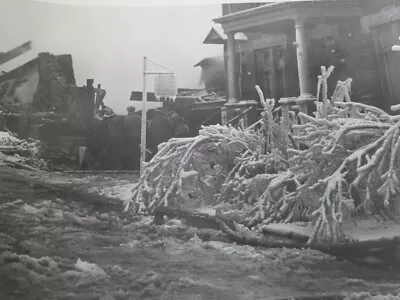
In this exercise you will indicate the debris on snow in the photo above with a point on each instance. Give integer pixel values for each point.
(6, 139)
(25, 152)
(12, 144)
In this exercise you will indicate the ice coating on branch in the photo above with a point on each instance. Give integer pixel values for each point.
(261, 177)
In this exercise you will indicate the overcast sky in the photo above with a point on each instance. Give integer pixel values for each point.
(108, 43)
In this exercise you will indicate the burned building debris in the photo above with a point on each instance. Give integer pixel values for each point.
(40, 100)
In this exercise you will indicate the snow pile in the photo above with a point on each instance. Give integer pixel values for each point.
(15, 150)
(7, 139)
(89, 268)
(122, 192)
(33, 210)
(39, 266)
(246, 252)
(368, 296)
(10, 142)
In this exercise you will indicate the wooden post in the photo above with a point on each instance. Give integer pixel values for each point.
(224, 116)
(97, 101)
(144, 121)
(89, 103)
(245, 120)
(303, 107)
(285, 123)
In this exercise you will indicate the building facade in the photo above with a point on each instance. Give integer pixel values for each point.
(281, 47)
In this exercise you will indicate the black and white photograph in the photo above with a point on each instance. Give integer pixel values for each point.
(199, 150)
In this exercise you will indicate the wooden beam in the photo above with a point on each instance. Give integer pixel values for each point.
(98, 90)
(386, 15)
(17, 51)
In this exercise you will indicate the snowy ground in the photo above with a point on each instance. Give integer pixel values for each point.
(60, 246)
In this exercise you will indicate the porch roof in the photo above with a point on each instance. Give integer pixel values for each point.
(287, 10)
(217, 36)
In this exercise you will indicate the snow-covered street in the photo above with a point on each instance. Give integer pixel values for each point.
(59, 246)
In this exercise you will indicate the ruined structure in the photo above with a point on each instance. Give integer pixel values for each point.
(40, 100)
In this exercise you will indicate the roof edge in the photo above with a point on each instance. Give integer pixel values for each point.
(273, 6)
(254, 10)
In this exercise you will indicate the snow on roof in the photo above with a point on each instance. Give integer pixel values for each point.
(209, 60)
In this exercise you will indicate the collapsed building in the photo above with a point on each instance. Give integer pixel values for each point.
(40, 100)
(41, 88)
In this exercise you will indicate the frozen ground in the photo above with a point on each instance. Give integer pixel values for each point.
(61, 246)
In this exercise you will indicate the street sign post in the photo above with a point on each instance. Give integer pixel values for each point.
(161, 89)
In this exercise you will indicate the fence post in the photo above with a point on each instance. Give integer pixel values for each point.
(224, 116)
(303, 107)
(245, 120)
(285, 123)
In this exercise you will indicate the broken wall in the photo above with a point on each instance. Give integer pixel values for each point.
(80, 101)
(17, 87)
(55, 74)
(25, 92)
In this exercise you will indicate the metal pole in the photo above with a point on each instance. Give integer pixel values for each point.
(144, 123)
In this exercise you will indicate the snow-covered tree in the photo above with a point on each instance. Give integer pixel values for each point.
(339, 163)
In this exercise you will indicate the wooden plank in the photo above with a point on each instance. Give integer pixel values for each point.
(386, 15)
(137, 96)
(209, 105)
(17, 51)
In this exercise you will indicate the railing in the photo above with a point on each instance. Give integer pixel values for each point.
(241, 116)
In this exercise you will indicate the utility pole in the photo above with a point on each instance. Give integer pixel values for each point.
(144, 120)
(143, 149)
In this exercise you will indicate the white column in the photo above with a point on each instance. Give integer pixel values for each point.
(226, 67)
(302, 58)
(231, 74)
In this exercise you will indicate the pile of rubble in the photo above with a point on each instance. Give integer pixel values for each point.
(21, 153)
(40, 100)
(11, 145)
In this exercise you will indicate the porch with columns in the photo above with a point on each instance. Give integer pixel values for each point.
(280, 18)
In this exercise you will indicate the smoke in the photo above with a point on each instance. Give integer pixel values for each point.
(213, 73)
